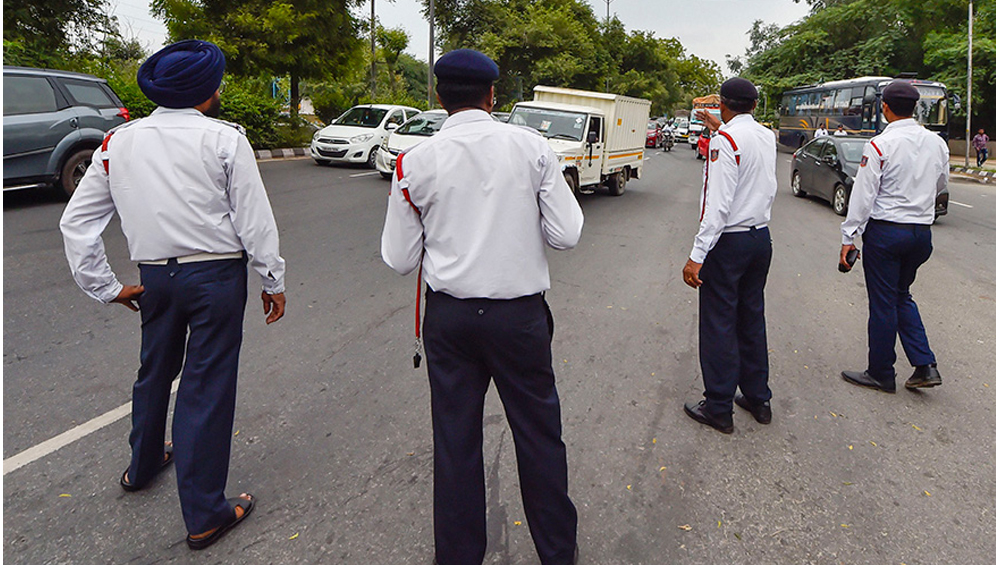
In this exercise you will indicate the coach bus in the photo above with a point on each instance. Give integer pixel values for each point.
(855, 104)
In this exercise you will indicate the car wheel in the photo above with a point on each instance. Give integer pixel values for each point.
(73, 170)
(616, 183)
(372, 156)
(840, 200)
(386, 176)
(797, 185)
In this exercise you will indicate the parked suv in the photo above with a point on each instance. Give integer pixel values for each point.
(52, 123)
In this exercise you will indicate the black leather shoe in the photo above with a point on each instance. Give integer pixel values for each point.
(723, 423)
(924, 376)
(868, 381)
(760, 412)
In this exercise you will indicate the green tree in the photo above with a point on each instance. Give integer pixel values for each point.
(49, 32)
(843, 39)
(298, 39)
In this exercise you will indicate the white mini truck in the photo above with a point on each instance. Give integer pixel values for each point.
(599, 138)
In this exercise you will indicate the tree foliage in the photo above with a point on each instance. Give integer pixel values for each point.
(843, 39)
(49, 33)
(299, 39)
(562, 43)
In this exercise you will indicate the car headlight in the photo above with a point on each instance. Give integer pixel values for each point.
(362, 138)
(385, 144)
(316, 136)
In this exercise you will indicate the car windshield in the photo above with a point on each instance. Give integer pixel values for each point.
(424, 123)
(851, 149)
(932, 108)
(363, 116)
(551, 123)
(651, 126)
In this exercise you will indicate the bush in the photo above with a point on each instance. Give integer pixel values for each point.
(248, 102)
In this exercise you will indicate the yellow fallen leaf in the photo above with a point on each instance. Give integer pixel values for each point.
(850, 447)
(848, 483)
(654, 440)
(294, 536)
(610, 307)
(685, 527)
(844, 526)
(652, 374)
(237, 433)
(629, 487)
(517, 522)
(916, 427)
(720, 524)
(927, 493)
(410, 454)
(834, 414)
(565, 361)
(806, 366)
(873, 444)
(65, 496)
(663, 469)
(986, 385)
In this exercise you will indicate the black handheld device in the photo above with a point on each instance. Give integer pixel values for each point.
(852, 256)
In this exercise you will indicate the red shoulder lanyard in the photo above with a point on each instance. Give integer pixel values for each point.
(420, 271)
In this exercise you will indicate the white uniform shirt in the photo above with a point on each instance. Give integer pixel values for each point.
(901, 172)
(491, 196)
(737, 195)
(182, 184)
(820, 132)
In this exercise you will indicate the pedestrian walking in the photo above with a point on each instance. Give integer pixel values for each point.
(474, 207)
(980, 142)
(730, 259)
(892, 209)
(821, 131)
(193, 210)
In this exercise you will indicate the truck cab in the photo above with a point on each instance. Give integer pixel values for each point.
(598, 138)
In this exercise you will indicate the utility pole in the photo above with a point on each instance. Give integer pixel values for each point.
(607, 23)
(373, 50)
(968, 94)
(430, 61)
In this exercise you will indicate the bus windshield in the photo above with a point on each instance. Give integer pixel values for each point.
(932, 108)
(550, 123)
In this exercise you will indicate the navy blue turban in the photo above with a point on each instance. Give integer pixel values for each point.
(183, 74)
(463, 65)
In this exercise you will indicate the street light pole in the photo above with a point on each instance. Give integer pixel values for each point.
(430, 61)
(373, 50)
(968, 93)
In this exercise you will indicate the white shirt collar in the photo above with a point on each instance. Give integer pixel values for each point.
(466, 116)
(163, 110)
(905, 122)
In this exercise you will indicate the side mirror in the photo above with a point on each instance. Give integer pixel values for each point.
(956, 102)
(830, 160)
(591, 137)
(391, 126)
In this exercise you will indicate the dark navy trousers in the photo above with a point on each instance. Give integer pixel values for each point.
(892, 255)
(732, 337)
(192, 316)
(468, 342)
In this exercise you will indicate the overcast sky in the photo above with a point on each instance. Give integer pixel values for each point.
(709, 29)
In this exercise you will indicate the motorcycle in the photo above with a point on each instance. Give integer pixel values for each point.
(668, 139)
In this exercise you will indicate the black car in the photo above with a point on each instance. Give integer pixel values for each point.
(52, 123)
(826, 167)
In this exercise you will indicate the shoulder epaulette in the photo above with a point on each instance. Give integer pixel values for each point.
(237, 127)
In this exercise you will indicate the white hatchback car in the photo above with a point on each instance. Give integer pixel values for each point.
(355, 136)
(417, 129)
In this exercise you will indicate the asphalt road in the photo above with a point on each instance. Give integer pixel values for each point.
(333, 423)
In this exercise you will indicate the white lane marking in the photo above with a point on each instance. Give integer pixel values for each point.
(959, 204)
(364, 174)
(35, 453)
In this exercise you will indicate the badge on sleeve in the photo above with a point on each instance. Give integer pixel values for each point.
(715, 155)
(864, 160)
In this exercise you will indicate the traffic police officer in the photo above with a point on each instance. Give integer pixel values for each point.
(475, 206)
(192, 208)
(892, 208)
(730, 260)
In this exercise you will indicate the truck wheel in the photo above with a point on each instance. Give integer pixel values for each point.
(73, 170)
(571, 181)
(616, 183)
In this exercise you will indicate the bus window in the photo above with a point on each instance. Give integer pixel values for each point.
(842, 102)
(826, 103)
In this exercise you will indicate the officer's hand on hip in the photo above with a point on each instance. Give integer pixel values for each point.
(844, 249)
(691, 270)
(129, 297)
(274, 306)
